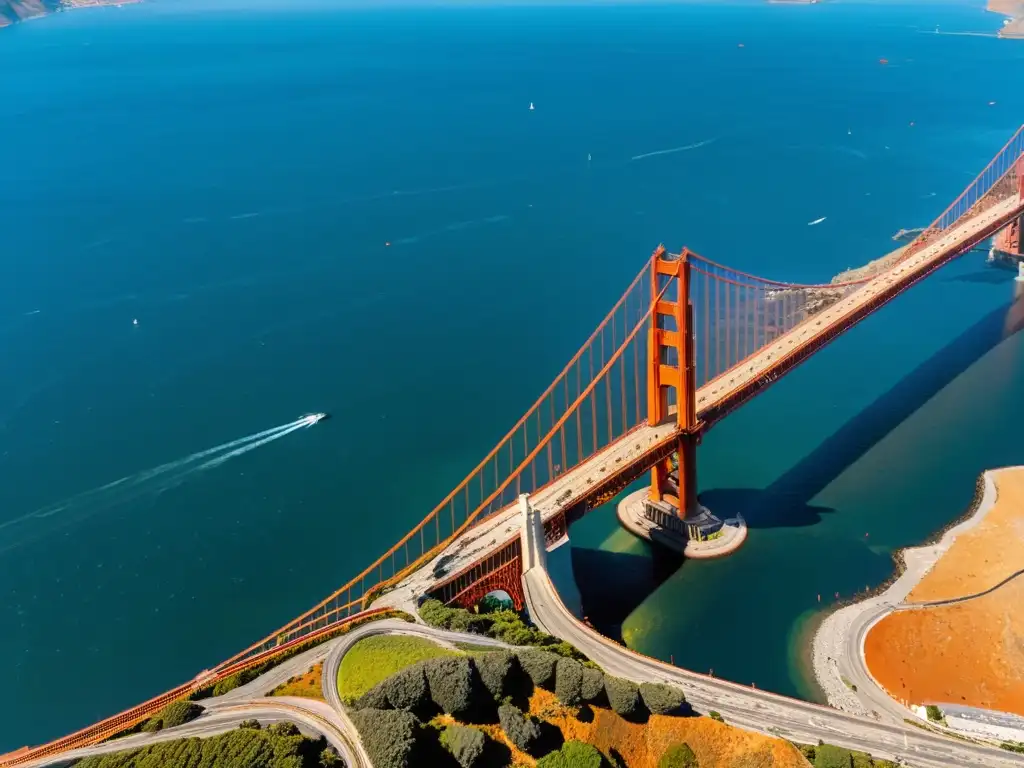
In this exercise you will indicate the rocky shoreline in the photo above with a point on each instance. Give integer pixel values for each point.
(14, 11)
(831, 641)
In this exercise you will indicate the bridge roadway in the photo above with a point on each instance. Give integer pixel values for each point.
(759, 710)
(722, 392)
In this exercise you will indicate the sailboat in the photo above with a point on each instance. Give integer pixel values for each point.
(531, 106)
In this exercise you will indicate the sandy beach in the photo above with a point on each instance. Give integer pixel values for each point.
(838, 645)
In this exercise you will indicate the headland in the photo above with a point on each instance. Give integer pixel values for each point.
(1014, 9)
(944, 631)
(13, 11)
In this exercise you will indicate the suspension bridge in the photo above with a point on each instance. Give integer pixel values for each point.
(689, 342)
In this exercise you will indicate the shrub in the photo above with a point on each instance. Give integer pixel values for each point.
(830, 756)
(495, 669)
(284, 729)
(569, 681)
(451, 683)
(623, 695)
(593, 684)
(715, 716)
(521, 730)
(375, 698)
(388, 735)
(662, 699)
(465, 744)
(678, 756)
(573, 754)
(934, 713)
(407, 688)
(331, 759)
(540, 666)
(178, 713)
(152, 725)
(253, 724)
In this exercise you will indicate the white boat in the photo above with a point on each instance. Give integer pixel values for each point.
(816, 221)
(315, 418)
(531, 106)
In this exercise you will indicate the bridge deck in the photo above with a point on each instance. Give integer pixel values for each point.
(725, 391)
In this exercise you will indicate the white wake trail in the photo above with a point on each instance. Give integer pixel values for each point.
(150, 482)
(685, 148)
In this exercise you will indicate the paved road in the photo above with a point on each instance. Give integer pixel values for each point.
(758, 710)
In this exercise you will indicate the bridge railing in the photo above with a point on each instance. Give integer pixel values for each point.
(997, 178)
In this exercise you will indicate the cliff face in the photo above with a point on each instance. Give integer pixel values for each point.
(12, 11)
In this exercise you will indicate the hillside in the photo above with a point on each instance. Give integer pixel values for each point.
(13, 11)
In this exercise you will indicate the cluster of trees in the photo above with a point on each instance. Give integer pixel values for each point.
(505, 625)
(174, 714)
(494, 687)
(249, 746)
(830, 756)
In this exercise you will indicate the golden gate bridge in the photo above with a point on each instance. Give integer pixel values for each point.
(689, 341)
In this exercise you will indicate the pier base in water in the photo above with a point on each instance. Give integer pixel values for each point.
(698, 535)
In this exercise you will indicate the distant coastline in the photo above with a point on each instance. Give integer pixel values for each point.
(1014, 9)
(14, 11)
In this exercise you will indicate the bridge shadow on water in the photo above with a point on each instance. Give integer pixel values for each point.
(786, 502)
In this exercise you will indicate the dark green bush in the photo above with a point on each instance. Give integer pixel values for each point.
(254, 724)
(450, 679)
(152, 725)
(284, 729)
(495, 669)
(375, 698)
(573, 754)
(390, 736)
(831, 756)
(662, 699)
(540, 666)
(331, 759)
(407, 688)
(593, 684)
(178, 713)
(465, 744)
(569, 681)
(239, 748)
(934, 713)
(623, 695)
(521, 730)
(715, 716)
(678, 756)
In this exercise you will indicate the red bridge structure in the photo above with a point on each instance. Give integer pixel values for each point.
(689, 342)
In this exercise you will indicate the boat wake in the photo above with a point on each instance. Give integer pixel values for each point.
(149, 483)
(685, 148)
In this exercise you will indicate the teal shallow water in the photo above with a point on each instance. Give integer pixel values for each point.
(229, 178)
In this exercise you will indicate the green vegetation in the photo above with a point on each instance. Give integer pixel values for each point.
(400, 718)
(307, 685)
(661, 699)
(716, 716)
(934, 713)
(376, 658)
(573, 754)
(465, 744)
(279, 746)
(521, 729)
(505, 625)
(569, 682)
(623, 695)
(831, 756)
(1012, 746)
(390, 737)
(245, 676)
(678, 756)
(174, 714)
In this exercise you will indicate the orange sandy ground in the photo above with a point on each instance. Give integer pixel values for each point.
(985, 555)
(964, 653)
(306, 684)
(641, 745)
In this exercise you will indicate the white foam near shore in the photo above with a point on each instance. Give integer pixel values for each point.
(838, 646)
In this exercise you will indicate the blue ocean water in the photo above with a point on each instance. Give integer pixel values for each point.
(228, 176)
